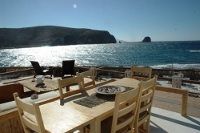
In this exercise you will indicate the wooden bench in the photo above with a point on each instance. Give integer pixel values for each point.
(9, 117)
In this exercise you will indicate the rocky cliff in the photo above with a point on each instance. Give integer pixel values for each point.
(51, 36)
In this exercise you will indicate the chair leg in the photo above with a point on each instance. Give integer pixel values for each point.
(148, 125)
(61, 101)
(136, 129)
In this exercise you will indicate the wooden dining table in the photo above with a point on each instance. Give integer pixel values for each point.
(48, 85)
(72, 116)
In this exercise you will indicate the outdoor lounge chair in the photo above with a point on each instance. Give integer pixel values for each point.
(68, 68)
(41, 70)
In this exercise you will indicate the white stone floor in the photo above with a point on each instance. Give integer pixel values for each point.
(165, 121)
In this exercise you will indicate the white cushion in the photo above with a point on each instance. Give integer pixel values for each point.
(43, 96)
(7, 106)
(12, 104)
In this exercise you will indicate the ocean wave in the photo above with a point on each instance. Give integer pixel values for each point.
(194, 51)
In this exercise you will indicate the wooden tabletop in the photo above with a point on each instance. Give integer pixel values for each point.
(72, 116)
(49, 85)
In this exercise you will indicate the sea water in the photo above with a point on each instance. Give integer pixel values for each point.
(179, 54)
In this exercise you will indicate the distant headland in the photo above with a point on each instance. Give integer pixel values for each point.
(51, 36)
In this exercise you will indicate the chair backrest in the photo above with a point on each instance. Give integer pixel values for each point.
(145, 104)
(68, 67)
(141, 73)
(68, 82)
(37, 67)
(87, 78)
(30, 115)
(125, 110)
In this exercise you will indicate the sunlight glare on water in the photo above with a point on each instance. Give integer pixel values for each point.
(156, 54)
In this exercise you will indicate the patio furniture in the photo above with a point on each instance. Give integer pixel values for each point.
(125, 110)
(66, 83)
(88, 78)
(67, 68)
(144, 109)
(33, 109)
(48, 85)
(141, 73)
(41, 70)
(79, 116)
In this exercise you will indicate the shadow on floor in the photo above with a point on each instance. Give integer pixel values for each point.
(156, 128)
(189, 125)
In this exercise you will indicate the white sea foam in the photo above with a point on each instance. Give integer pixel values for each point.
(178, 66)
(194, 51)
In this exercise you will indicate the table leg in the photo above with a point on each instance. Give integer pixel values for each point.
(96, 126)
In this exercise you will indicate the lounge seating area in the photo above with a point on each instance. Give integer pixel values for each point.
(41, 70)
(156, 122)
(7, 100)
(8, 110)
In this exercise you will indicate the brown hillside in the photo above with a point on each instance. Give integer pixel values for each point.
(51, 35)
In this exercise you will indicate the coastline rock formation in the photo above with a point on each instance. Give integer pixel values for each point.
(51, 36)
(146, 39)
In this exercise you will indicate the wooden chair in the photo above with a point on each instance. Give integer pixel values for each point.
(87, 78)
(142, 122)
(66, 82)
(41, 70)
(124, 114)
(141, 73)
(25, 111)
(125, 109)
(68, 67)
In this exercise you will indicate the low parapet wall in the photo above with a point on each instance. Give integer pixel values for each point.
(192, 74)
(184, 94)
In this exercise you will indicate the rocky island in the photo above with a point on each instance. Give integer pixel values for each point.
(51, 36)
(146, 39)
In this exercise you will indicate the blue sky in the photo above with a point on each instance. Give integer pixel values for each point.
(128, 20)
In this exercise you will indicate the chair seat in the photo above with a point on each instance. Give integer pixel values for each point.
(142, 115)
(45, 71)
